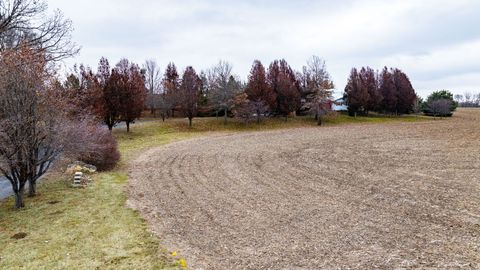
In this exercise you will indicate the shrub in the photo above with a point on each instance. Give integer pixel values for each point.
(436, 104)
(91, 143)
(103, 149)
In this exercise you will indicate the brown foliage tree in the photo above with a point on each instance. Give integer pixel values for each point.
(282, 80)
(188, 93)
(258, 89)
(109, 100)
(127, 83)
(82, 92)
(370, 82)
(405, 93)
(389, 91)
(356, 94)
(171, 86)
(115, 95)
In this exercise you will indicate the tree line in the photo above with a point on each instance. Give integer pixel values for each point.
(278, 90)
(468, 99)
(389, 91)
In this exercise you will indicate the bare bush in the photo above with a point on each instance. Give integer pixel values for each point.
(248, 110)
(99, 146)
(440, 107)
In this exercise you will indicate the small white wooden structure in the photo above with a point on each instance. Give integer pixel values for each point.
(77, 178)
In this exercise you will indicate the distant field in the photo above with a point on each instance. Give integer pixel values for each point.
(386, 195)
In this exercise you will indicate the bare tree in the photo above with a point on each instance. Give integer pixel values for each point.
(316, 87)
(153, 84)
(160, 102)
(30, 130)
(458, 98)
(417, 106)
(188, 93)
(26, 23)
(468, 98)
(477, 100)
(222, 87)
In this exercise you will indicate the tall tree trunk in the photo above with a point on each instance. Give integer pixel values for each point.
(19, 198)
(319, 121)
(190, 122)
(163, 117)
(128, 126)
(110, 127)
(32, 188)
(216, 114)
(225, 116)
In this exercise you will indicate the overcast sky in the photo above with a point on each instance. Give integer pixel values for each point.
(437, 43)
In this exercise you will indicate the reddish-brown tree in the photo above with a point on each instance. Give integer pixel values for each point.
(282, 81)
(83, 93)
(108, 107)
(188, 93)
(257, 89)
(370, 83)
(288, 95)
(128, 85)
(356, 94)
(388, 91)
(405, 93)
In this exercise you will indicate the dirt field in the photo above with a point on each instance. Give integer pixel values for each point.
(398, 195)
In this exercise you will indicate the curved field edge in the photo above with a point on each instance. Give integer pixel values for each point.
(91, 227)
(212, 203)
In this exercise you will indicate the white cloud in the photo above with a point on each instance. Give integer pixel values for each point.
(430, 40)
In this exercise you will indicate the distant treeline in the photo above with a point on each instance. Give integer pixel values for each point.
(468, 99)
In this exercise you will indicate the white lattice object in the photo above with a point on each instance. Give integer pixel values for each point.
(77, 178)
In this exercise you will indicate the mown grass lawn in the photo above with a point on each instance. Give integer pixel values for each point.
(91, 228)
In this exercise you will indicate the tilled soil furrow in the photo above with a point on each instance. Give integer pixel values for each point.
(402, 195)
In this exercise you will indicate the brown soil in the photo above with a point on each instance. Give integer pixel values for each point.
(397, 195)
